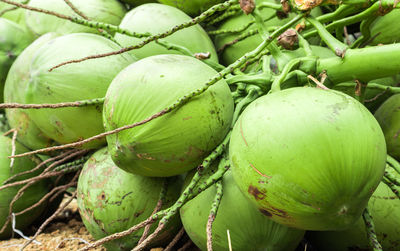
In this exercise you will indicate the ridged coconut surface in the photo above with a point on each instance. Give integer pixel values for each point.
(157, 18)
(86, 80)
(307, 157)
(14, 92)
(30, 196)
(106, 11)
(175, 142)
(249, 229)
(111, 200)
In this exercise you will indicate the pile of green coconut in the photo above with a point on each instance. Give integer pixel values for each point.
(161, 120)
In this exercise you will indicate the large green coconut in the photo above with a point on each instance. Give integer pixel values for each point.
(111, 200)
(14, 92)
(249, 229)
(192, 7)
(384, 207)
(142, 20)
(386, 29)
(80, 81)
(30, 196)
(308, 157)
(175, 142)
(107, 11)
(388, 116)
(13, 40)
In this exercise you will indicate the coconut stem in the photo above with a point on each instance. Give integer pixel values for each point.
(54, 191)
(213, 214)
(12, 8)
(363, 40)
(48, 220)
(186, 246)
(194, 21)
(237, 30)
(80, 103)
(228, 13)
(392, 178)
(151, 237)
(394, 189)
(73, 164)
(79, 20)
(393, 162)
(175, 240)
(60, 156)
(81, 14)
(159, 204)
(371, 234)
(241, 37)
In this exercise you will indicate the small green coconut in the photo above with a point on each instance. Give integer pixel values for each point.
(249, 228)
(192, 7)
(175, 142)
(14, 92)
(13, 40)
(384, 207)
(388, 116)
(386, 29)
(86, 80)
(106, 11)
(142, 20)
(111, 200)
(309, 158)
(30, 196)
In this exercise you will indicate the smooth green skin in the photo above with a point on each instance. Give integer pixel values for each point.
(175, 142)
(249, 229)
(142, 19)
(111, 200)
(363, 64)
(191, 7)
(107, 11)
(386, 28)
(86, 80)
(373, 98)
(388, 116)
(13, 40)
(310, 158)
(384, 208)
(14, 92)
(138, 2)
(31, 195)
(17, 15)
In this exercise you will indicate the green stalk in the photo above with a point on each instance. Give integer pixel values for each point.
(364, 64)
(371, 234)
(393, 163)
(335, 45)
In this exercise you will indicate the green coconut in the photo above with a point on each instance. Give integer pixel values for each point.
(192, 7)
(85, 80)
(14, 92)
(233, 52)
(141, 20)
(374, 98)
(249, 229)
(309, 158)
(107, 11)
(13, 40)
(384, 207)
(175, 142)
(388, 116)
(386, 29)
(111, 200)
(30, 196)
(138, 2)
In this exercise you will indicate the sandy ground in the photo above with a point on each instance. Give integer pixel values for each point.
(67, 232)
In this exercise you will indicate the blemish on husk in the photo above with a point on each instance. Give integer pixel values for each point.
(258, 195)
(265, 212)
